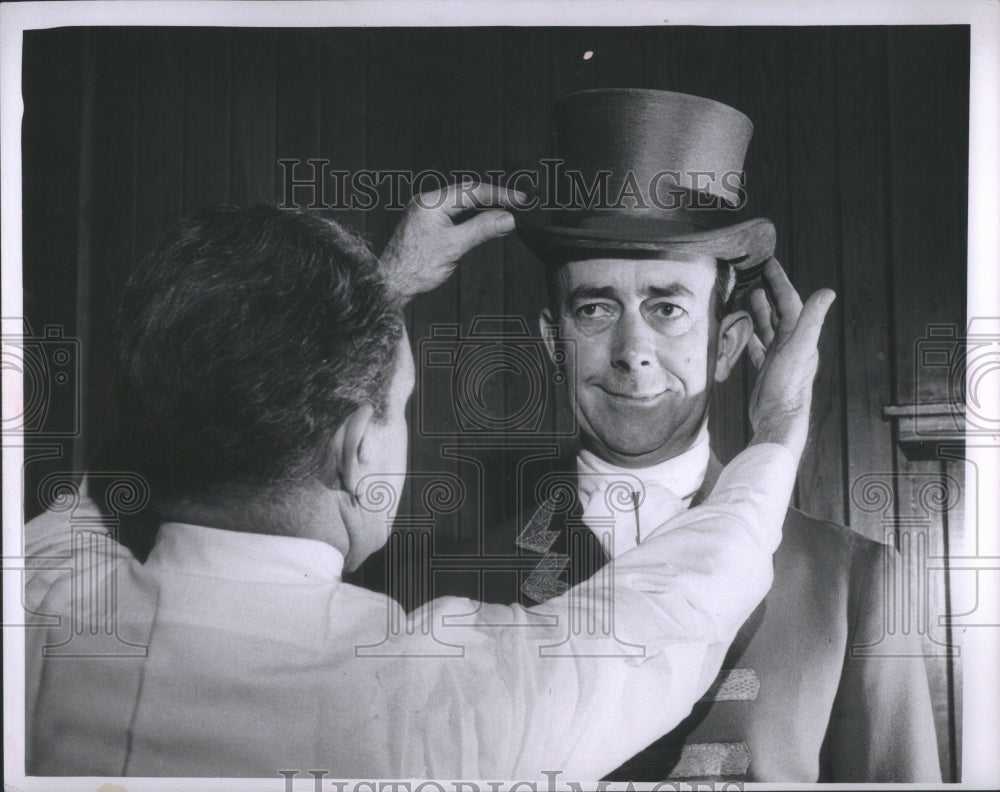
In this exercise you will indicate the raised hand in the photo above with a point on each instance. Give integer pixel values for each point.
(428, 242)
(784, 351)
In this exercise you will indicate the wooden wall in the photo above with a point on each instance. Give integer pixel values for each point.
(859, 157)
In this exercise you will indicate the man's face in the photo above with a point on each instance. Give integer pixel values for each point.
(646, 342)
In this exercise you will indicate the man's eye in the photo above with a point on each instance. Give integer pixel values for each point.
(668, 311)
(592, 311)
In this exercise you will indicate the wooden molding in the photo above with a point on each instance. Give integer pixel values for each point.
(921, 427)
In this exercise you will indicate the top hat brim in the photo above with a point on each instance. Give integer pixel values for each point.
(746, 245)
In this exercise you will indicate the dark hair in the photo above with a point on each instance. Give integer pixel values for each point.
(244, 341)
(723, 292)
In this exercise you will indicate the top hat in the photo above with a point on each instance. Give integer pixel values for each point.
(660, 172)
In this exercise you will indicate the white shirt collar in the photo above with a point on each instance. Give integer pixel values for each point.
(683, 474)
(236, 555)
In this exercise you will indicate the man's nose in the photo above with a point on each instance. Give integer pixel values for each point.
(635, 344)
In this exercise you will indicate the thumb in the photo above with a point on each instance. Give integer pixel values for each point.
(482, 227)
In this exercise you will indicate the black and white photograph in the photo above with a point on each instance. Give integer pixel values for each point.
(500, 396)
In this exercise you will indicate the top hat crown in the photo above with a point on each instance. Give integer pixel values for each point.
(661, 172)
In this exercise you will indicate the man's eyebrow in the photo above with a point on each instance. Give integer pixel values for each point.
(609, 292)
(670, 290)
(592, 292)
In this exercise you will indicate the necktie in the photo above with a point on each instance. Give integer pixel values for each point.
(622, 506)
(623, 512)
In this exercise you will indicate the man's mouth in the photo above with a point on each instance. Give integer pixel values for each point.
(633, 397)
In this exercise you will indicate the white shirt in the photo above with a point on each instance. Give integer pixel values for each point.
(622, 506)
(259, 658)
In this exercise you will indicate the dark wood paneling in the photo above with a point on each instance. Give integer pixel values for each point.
(54, 72)
(862, 156)
(620, 58)
(163, 133)
(389, 119)
(252, 88)
(51, 128)
(813, 234)
(112, 192)
(573, 62)
(298, 100)
(206, 118)
(928, 76)
(343, 110)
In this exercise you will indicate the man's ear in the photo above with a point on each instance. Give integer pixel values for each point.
(350, 450)
(545, 321)
(735, 330)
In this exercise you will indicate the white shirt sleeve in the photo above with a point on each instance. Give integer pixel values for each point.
(584, 681)
(575, 685)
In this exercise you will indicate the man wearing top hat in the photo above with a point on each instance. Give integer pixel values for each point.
(641, 274)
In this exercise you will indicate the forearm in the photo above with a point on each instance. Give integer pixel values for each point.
(788, 429)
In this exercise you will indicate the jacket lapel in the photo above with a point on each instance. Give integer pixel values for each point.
(570, 552)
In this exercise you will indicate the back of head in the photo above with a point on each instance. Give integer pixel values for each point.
(243, 342)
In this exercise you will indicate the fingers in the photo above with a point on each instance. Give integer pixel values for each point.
(763, 319)
(463, 196)
(787, 303)
(481, 228)
(807, 330)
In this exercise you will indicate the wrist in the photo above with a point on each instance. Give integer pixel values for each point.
(394, 275)
(789, 429)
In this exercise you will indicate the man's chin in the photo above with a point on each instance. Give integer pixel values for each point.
(633, 451)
